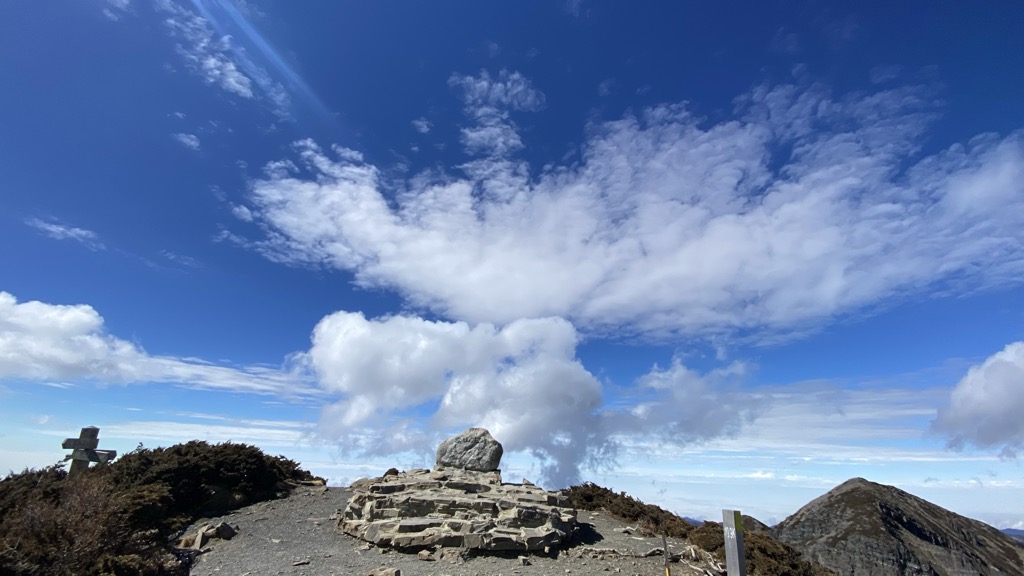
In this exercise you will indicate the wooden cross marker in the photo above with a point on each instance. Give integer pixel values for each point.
(735, 559)
(84, 450)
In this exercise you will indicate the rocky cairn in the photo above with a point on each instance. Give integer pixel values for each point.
(461, 503)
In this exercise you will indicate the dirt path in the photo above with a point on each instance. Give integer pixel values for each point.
(298, 535)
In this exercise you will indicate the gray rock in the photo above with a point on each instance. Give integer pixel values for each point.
(474, 449)
(225, 531)
(456, 508)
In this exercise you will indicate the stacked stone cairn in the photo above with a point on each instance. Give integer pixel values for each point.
(461, 503)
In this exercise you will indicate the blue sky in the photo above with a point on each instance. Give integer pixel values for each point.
(712, 255)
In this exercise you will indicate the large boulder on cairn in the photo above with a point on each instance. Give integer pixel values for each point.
(474, 449)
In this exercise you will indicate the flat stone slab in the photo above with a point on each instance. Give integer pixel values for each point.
(457, 508)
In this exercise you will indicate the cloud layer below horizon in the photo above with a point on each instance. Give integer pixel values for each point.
(399, 384)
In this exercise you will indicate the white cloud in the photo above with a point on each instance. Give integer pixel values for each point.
(801, 208)
(116, 8)
(180, 259)
(510, 90)
(204, 52)
(265, 434)
(491, 136)
(573, 7)
(60, 231)
(522, 382)
(785, 42)
(488, 102)
(823, 422)
(219, 60)
(680, 406)
(405, 382)
(881, 74)
(986, 406)
(187, 140)
(241, 212)
(399, 384)
(422, 125)
(47, 342)
(280, 169)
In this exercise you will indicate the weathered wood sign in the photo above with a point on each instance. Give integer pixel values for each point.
(735, 560)
(84, 450)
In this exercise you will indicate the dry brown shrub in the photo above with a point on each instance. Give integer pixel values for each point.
(764, 555)
(652, 520)
(66, 536)
(122, 518)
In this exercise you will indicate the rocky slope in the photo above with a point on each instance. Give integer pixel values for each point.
(861, 528)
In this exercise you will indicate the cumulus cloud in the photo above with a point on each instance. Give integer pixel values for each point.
(40, 341)
(986, 405)
(522, 382)
(60, 231)
(190, 141)
(403, 382)
(801, 207)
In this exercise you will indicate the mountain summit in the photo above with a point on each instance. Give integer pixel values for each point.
(862, 528)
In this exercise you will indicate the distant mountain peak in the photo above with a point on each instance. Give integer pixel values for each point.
(861, 528)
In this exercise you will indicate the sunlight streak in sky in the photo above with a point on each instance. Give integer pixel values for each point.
(227, 19)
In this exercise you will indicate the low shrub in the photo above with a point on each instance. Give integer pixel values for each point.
(765, 556)
(121, 518)
(652, 520)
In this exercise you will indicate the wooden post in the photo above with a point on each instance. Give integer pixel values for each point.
(735, 560)
(84, 450)
(664, 546)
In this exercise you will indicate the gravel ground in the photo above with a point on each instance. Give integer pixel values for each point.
(298, 535)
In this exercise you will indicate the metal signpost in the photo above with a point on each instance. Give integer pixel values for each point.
(735, 561)
(84, 450)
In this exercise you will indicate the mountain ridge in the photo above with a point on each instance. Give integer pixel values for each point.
(863, 528)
